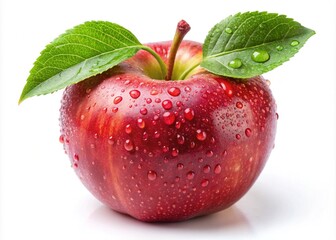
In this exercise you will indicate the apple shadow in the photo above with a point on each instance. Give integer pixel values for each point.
(257, 208)
(226, 220)
(231, 219)
(260, 207)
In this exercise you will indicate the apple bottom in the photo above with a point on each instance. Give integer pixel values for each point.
(162, 191)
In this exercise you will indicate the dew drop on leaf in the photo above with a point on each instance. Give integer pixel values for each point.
(228, 30)
(279, 48)
(294, 43)
(260, 56)
(236, 63)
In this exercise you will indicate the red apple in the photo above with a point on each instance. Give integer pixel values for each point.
(167, 150)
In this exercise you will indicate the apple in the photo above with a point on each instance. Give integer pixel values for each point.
(167, 150)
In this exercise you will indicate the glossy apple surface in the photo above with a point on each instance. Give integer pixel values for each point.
(167, 150)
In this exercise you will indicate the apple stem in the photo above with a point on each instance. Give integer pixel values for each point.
(181, 30)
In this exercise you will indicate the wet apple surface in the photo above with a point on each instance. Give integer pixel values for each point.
(167, 150)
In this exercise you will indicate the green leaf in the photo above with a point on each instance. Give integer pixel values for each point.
(252, 43)
(84, 51)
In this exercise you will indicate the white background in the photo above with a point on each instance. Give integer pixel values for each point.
(41, 198)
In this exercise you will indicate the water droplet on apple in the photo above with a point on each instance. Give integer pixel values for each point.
(205, 182)
(235, 63)
(294, 43)
(148, 100)
(165, 149)
(179, 104)
(206, 169)
(167, 104)
(156, 134)
(190, 175)
(174, 152)
(151, 175)
(277, 116)
(168, 118)
(110, 140)
(76, 157)
(192, 144)
(145, 136)
(248, 132)
(115, 109)
(134, 94)
(61, 138)
(218, 169)
(143, 111)
(189, 114)
(268, 82)
(180, 139)
(154, 92)
(105, 109)
(226, 87)
(238, 136)
(200, 135)
(260, 56)
(128, 145)
(128, 128)
(187, 89)
(177, 125)
(127, 82)
(209, 153)
(180, 166)
(239, 105)
(117, 99)
(174, 91)
(141, 123)
(228, 30)
(157, 100)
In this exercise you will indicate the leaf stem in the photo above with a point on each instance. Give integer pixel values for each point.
(181, 30)
(158, 58)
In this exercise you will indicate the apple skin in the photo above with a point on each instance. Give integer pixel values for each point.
(167, 150)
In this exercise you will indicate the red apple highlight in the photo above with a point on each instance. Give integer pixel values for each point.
(167, 150)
